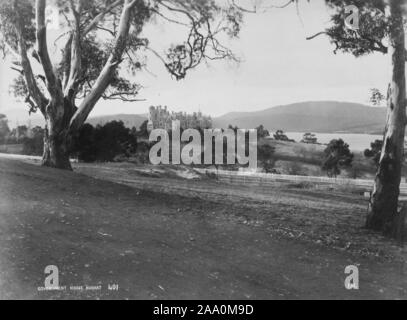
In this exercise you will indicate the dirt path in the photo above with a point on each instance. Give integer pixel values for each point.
(156, 245)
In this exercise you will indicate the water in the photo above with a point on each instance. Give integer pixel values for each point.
(357, 142)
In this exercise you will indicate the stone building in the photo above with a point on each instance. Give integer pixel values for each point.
(160, 118)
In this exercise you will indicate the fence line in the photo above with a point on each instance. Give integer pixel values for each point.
(269, 178)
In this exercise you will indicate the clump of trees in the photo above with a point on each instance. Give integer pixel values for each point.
(110, 142)
(18, 135)
(104, 143)
(309, 138)
(33, 143)
(281, 136)
(375, 151)
(337, 155)
(262, 132)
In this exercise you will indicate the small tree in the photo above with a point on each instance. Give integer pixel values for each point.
(375, 151)
(280, 135)
(337, 156)
(262, 132)
(234, 128)
(265, 154)
(143, 132)
(309, 138)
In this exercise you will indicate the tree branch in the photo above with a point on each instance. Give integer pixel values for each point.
(316, 35)
(27, 71)
(255, 9)
(75, 65)
(103, 81)
(52, 83)
(94, 23)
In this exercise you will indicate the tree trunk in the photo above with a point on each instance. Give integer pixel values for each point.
(383, 212)
(56, 150)
(57, 137)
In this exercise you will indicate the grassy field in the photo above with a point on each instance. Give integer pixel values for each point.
(158, 233)
(306, 159)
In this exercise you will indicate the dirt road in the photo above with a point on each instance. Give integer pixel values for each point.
(155, 245)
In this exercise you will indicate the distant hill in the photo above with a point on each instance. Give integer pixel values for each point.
(129, 120)
(319, 117)
(21, 117)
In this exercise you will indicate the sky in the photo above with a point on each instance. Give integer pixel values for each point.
(278, 66)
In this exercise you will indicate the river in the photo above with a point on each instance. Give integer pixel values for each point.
(357, 142)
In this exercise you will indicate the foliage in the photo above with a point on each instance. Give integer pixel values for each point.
(375, 151)
(280, 135)
(265, 155)
(18, 135)
(143, 132)
(205, 22)
(373, 27)
(34, 144)
(262, 132)
(337, 155)
(84, 146)
(4, 129)
(90, 144)
(376, 97)
(234, 128)
(309, 138)
(104, 143)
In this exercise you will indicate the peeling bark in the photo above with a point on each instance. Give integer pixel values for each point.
(56, 148)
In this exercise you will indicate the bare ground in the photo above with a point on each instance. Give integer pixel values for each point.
(163, 237)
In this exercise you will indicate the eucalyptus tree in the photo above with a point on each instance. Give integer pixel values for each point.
(100, 47)
(379, 27)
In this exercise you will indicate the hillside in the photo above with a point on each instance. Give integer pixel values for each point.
(318, 117)
(21, 117)
(322, 117)
(129, 120)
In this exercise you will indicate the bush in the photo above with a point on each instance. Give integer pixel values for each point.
(105, 143)
(34, 144)
(84, 144)
(375, 151)
(337, 155)
(265, 155)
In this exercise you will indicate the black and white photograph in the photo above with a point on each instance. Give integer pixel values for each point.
(203, 156)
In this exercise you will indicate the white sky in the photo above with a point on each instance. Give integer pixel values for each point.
(278, 67)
